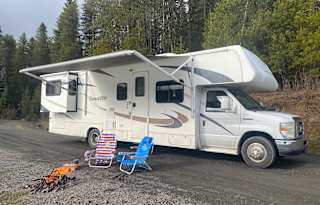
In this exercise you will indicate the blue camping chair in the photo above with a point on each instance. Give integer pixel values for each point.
(131, 160)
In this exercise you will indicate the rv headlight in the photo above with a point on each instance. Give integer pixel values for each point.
(287, 130)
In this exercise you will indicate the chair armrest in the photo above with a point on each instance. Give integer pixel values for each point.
(135, 157)
(126, 153)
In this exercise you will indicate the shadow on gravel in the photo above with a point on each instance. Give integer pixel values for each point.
(163, 158)
(288, 163)
(76, 142)
(168, 158)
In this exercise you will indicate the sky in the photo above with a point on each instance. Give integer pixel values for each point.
(18, 16)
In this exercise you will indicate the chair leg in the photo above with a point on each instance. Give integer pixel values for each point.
(110, 163)
(147, 166)
(128, 172)
(89, 162)
(103, 167)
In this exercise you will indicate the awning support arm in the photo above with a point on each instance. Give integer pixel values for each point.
(44, 80)
(181, 66)
(193, 90)
(50, 83)
(145, 59)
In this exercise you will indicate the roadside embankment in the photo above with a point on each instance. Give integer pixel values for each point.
(305, 103)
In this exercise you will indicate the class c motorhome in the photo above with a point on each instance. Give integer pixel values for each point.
(195, 100)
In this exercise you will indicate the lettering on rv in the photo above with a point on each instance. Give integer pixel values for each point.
(99, 98)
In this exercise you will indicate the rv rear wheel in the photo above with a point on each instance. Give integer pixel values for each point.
(92, 137)
(258, 152)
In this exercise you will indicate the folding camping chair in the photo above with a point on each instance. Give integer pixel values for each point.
(104, 153)
(129, 161)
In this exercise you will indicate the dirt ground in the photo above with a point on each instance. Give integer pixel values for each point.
(179, 176)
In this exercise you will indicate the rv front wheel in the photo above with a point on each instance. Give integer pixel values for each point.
(92, 137)
(258, 152)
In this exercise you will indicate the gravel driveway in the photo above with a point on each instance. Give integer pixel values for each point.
(179, 176)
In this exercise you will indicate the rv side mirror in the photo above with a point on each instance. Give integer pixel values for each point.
(226, 103)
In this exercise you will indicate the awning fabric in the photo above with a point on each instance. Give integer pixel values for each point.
(105, 61)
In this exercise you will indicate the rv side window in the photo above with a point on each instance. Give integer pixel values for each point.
(169, 92)
(122, 91)
(213, 103)
(72, 87)
(52, 90)
(139, 86)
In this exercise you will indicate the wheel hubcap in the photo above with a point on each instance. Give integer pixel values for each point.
(94, 138)
(256, 152)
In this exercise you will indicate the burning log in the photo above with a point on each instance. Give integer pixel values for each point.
(57, 180)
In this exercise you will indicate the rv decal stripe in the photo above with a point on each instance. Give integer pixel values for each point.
(176, 123)
(207, 118)
(215, 122)
(173, 122)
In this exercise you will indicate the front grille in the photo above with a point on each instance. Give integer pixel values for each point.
(299, 128)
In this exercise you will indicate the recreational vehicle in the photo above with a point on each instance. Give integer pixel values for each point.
(195, 100)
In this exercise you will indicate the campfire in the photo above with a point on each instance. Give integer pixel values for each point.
(57, 180)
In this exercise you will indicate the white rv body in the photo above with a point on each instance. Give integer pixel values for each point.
(153, 104)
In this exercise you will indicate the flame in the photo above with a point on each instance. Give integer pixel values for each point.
(58, 173)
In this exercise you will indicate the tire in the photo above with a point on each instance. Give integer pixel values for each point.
(258, 152)
(91, 139)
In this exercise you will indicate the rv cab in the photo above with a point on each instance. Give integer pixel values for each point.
(233, 122)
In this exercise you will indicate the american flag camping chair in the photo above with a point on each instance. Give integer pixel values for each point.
(105, 151)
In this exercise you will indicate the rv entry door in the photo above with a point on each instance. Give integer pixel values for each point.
(140, 104)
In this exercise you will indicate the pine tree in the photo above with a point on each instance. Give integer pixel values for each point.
(237, 22)
(149, 26)
(40, 51)
(2, 70)
(90, 27)
(7, 53)
(35, 103)
(67, 43)
(294, 45)
(25, 103)
(198, 12)
(16, 82)
(133, 32)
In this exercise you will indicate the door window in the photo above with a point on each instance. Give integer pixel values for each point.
(214, 99)
(72, 88)
(139, 91)
(122, 91)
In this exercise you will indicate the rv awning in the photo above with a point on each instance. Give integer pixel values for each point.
(116, 59)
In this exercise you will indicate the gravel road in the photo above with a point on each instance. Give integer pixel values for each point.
(179, 176)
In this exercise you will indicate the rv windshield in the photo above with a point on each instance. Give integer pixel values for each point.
(246, 100)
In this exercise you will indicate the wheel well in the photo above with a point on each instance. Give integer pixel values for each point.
(89, 130)
(247, 135)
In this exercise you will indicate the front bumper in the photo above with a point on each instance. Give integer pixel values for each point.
(291, 147)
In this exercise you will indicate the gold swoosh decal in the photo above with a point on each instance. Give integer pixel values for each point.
(156, 121)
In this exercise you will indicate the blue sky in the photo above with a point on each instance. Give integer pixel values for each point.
(18, 16)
